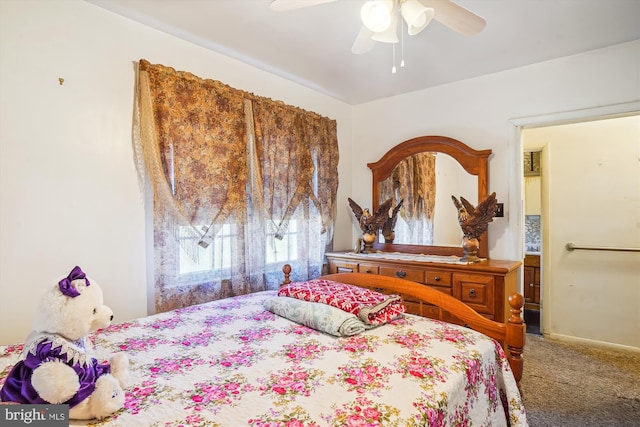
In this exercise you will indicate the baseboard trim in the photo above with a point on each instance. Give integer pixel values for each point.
(593, 343)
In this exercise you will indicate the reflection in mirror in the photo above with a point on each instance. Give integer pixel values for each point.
(425, 172)
(411, 183)
(425, 183)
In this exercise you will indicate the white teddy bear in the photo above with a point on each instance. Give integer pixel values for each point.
(56, 365)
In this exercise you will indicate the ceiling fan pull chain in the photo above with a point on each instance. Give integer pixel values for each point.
(401, 43)
(393, 68)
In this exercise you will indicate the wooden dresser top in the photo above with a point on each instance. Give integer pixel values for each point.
(489, 265)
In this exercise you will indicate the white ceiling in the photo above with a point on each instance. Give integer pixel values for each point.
(312, 46)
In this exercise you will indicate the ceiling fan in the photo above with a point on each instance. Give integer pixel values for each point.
(380, 18)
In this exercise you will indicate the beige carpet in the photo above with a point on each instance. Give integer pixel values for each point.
(574, 385)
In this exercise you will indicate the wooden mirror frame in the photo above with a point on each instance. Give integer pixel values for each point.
(473, 161)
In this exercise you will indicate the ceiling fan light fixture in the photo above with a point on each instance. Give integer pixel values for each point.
(376, 15)
(390, 35)
(416, 16)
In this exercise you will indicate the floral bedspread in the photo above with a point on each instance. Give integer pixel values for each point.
(232, 363)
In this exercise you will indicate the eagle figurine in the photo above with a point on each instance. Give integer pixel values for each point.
(475, 220)
(371, 224)
(390, 224)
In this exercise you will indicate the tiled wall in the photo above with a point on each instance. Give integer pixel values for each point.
(532, 233)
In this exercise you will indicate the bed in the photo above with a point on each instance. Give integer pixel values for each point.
(232, 362)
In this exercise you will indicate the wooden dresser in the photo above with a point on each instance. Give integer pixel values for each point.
(484, 286)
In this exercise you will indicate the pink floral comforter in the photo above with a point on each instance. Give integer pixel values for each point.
(232, 363)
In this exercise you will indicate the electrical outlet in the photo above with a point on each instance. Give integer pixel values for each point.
(500, 210)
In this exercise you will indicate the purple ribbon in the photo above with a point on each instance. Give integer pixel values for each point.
(65, 284)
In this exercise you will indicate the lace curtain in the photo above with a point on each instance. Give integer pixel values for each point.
(413, 180)
(241, 185)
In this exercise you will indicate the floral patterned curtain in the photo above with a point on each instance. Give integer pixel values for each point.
(241, 184)
(288, 142)
(414, 181)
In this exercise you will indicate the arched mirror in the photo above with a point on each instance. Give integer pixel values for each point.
(425, 172)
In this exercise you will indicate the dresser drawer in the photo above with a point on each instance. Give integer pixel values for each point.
(444, 289)
(431, 311)
(477, 291)
(412, 274)
(415, 308)
(368, 268)
(438, 278)
(342, 267)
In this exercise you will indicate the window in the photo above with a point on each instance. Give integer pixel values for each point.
(215, 254)
(263, 172)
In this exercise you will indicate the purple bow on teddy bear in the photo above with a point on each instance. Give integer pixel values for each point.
(65, 284)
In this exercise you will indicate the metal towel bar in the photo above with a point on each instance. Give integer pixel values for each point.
(571, 247)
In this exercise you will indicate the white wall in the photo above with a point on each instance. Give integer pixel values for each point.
(68, 186)
(480, 112)
(591, 197)
(532, 195)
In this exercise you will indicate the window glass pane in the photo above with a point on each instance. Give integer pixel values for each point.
(188, 264)
(285, 249)
(216, 256)
(222, 244)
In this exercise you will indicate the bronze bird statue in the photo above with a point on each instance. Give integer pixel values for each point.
(371, 224)
(475, 220)
(390, 224)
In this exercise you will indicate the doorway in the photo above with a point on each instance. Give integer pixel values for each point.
(532, 172)
(567, 277)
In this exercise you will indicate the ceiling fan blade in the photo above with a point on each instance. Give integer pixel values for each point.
(282, 5)
(363, 42)
(456, 17)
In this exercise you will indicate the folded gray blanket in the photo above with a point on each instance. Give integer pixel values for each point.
(318, 316)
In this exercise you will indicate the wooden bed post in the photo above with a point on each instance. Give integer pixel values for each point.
(287, 271)
(516, 335)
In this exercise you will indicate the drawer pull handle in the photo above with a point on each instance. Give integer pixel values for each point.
(472, 293)
(531, 285)
(367, 271)
(400, 274)
(437, 278)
